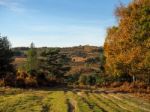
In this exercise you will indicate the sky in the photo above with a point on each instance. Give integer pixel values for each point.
(57, 23)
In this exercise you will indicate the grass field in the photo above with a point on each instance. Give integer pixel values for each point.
(64, 100)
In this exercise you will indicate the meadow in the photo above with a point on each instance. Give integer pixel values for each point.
(69, 100)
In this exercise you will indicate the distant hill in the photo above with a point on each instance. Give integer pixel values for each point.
(83, 58)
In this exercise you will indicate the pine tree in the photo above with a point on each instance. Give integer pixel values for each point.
(7, 70)
(54, 64)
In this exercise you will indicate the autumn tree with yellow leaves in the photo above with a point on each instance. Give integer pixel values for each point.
(127, 46)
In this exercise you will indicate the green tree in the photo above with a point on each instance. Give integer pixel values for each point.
(7, 70)
(102, 60)
(32, 61)
(54, 64)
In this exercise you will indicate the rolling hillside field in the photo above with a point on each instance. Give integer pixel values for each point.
(65, 100)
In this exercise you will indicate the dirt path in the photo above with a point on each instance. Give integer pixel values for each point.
(71, 106)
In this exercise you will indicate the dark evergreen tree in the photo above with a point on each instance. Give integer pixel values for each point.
(6, 57)
(54, 64)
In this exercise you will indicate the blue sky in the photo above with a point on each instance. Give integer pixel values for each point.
(57, 23)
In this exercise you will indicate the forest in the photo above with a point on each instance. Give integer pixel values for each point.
(87, 78)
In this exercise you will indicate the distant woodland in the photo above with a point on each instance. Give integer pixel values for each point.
(123, 61)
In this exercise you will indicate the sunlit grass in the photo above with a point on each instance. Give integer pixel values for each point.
(124, 103)
(21, 102)
(58, 100)
(92, 103)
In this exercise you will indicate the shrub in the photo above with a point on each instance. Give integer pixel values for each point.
(31, 82)
(116, 84)
(10, 80)
(32, 72)
(82, 80)
(20, 82)
(73, 78)
(91, 80)
(2, 83)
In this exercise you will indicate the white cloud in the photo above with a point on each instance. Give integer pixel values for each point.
(13, 5)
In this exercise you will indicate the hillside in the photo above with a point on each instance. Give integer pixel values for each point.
(81, 57)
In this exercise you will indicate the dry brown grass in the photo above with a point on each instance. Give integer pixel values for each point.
(139, 89)
(78, 59)
(18, 61)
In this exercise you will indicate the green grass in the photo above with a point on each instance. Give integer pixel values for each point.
(91, 103)
(58, 100)
(19, 103)
(101, 103)
(136, 101)
(126, 103)
(110, 103)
